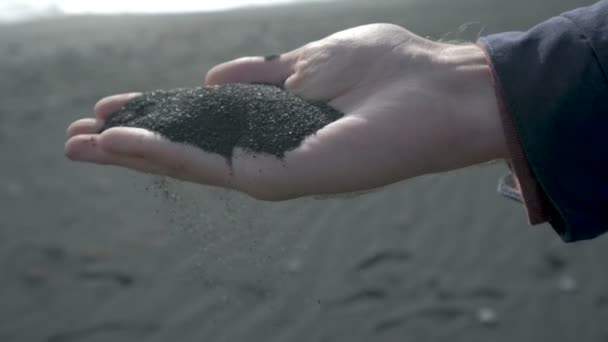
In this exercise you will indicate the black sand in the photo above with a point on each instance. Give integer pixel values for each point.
(255, 117)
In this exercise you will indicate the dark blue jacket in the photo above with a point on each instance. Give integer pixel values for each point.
(552, 82)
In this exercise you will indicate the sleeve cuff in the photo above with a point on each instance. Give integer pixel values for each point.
(521, 184)
(551, 85)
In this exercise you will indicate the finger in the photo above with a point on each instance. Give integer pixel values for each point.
(86, 148)
(109, 105)
(271, 69)
(177, 160)
(83, 126)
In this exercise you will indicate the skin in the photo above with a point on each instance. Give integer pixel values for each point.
(412, 106)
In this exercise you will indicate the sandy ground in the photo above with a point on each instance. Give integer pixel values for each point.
(104, 254)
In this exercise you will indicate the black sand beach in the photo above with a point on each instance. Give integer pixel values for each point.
(91, 253)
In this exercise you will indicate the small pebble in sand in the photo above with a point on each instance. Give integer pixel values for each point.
(102, 184)
(36, 277)
(487, 316)
(14, 189)
(567, 284)
(293, 265)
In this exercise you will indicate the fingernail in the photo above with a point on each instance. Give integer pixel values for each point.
(132, 95)
(271, 57)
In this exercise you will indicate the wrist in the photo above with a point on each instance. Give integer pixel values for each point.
(470, 84)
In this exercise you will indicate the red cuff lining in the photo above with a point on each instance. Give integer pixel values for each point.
(535, 201)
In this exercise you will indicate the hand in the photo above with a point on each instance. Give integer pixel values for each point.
(412, 106)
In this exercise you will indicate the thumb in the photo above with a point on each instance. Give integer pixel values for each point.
(273, 69)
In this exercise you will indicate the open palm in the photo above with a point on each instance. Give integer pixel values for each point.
(412, 106)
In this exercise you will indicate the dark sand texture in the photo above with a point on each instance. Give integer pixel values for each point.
(258, 118)
(87, 254)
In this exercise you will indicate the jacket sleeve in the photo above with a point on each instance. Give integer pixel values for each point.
(552, 86)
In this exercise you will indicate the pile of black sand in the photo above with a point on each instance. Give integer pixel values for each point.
(256, 117)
